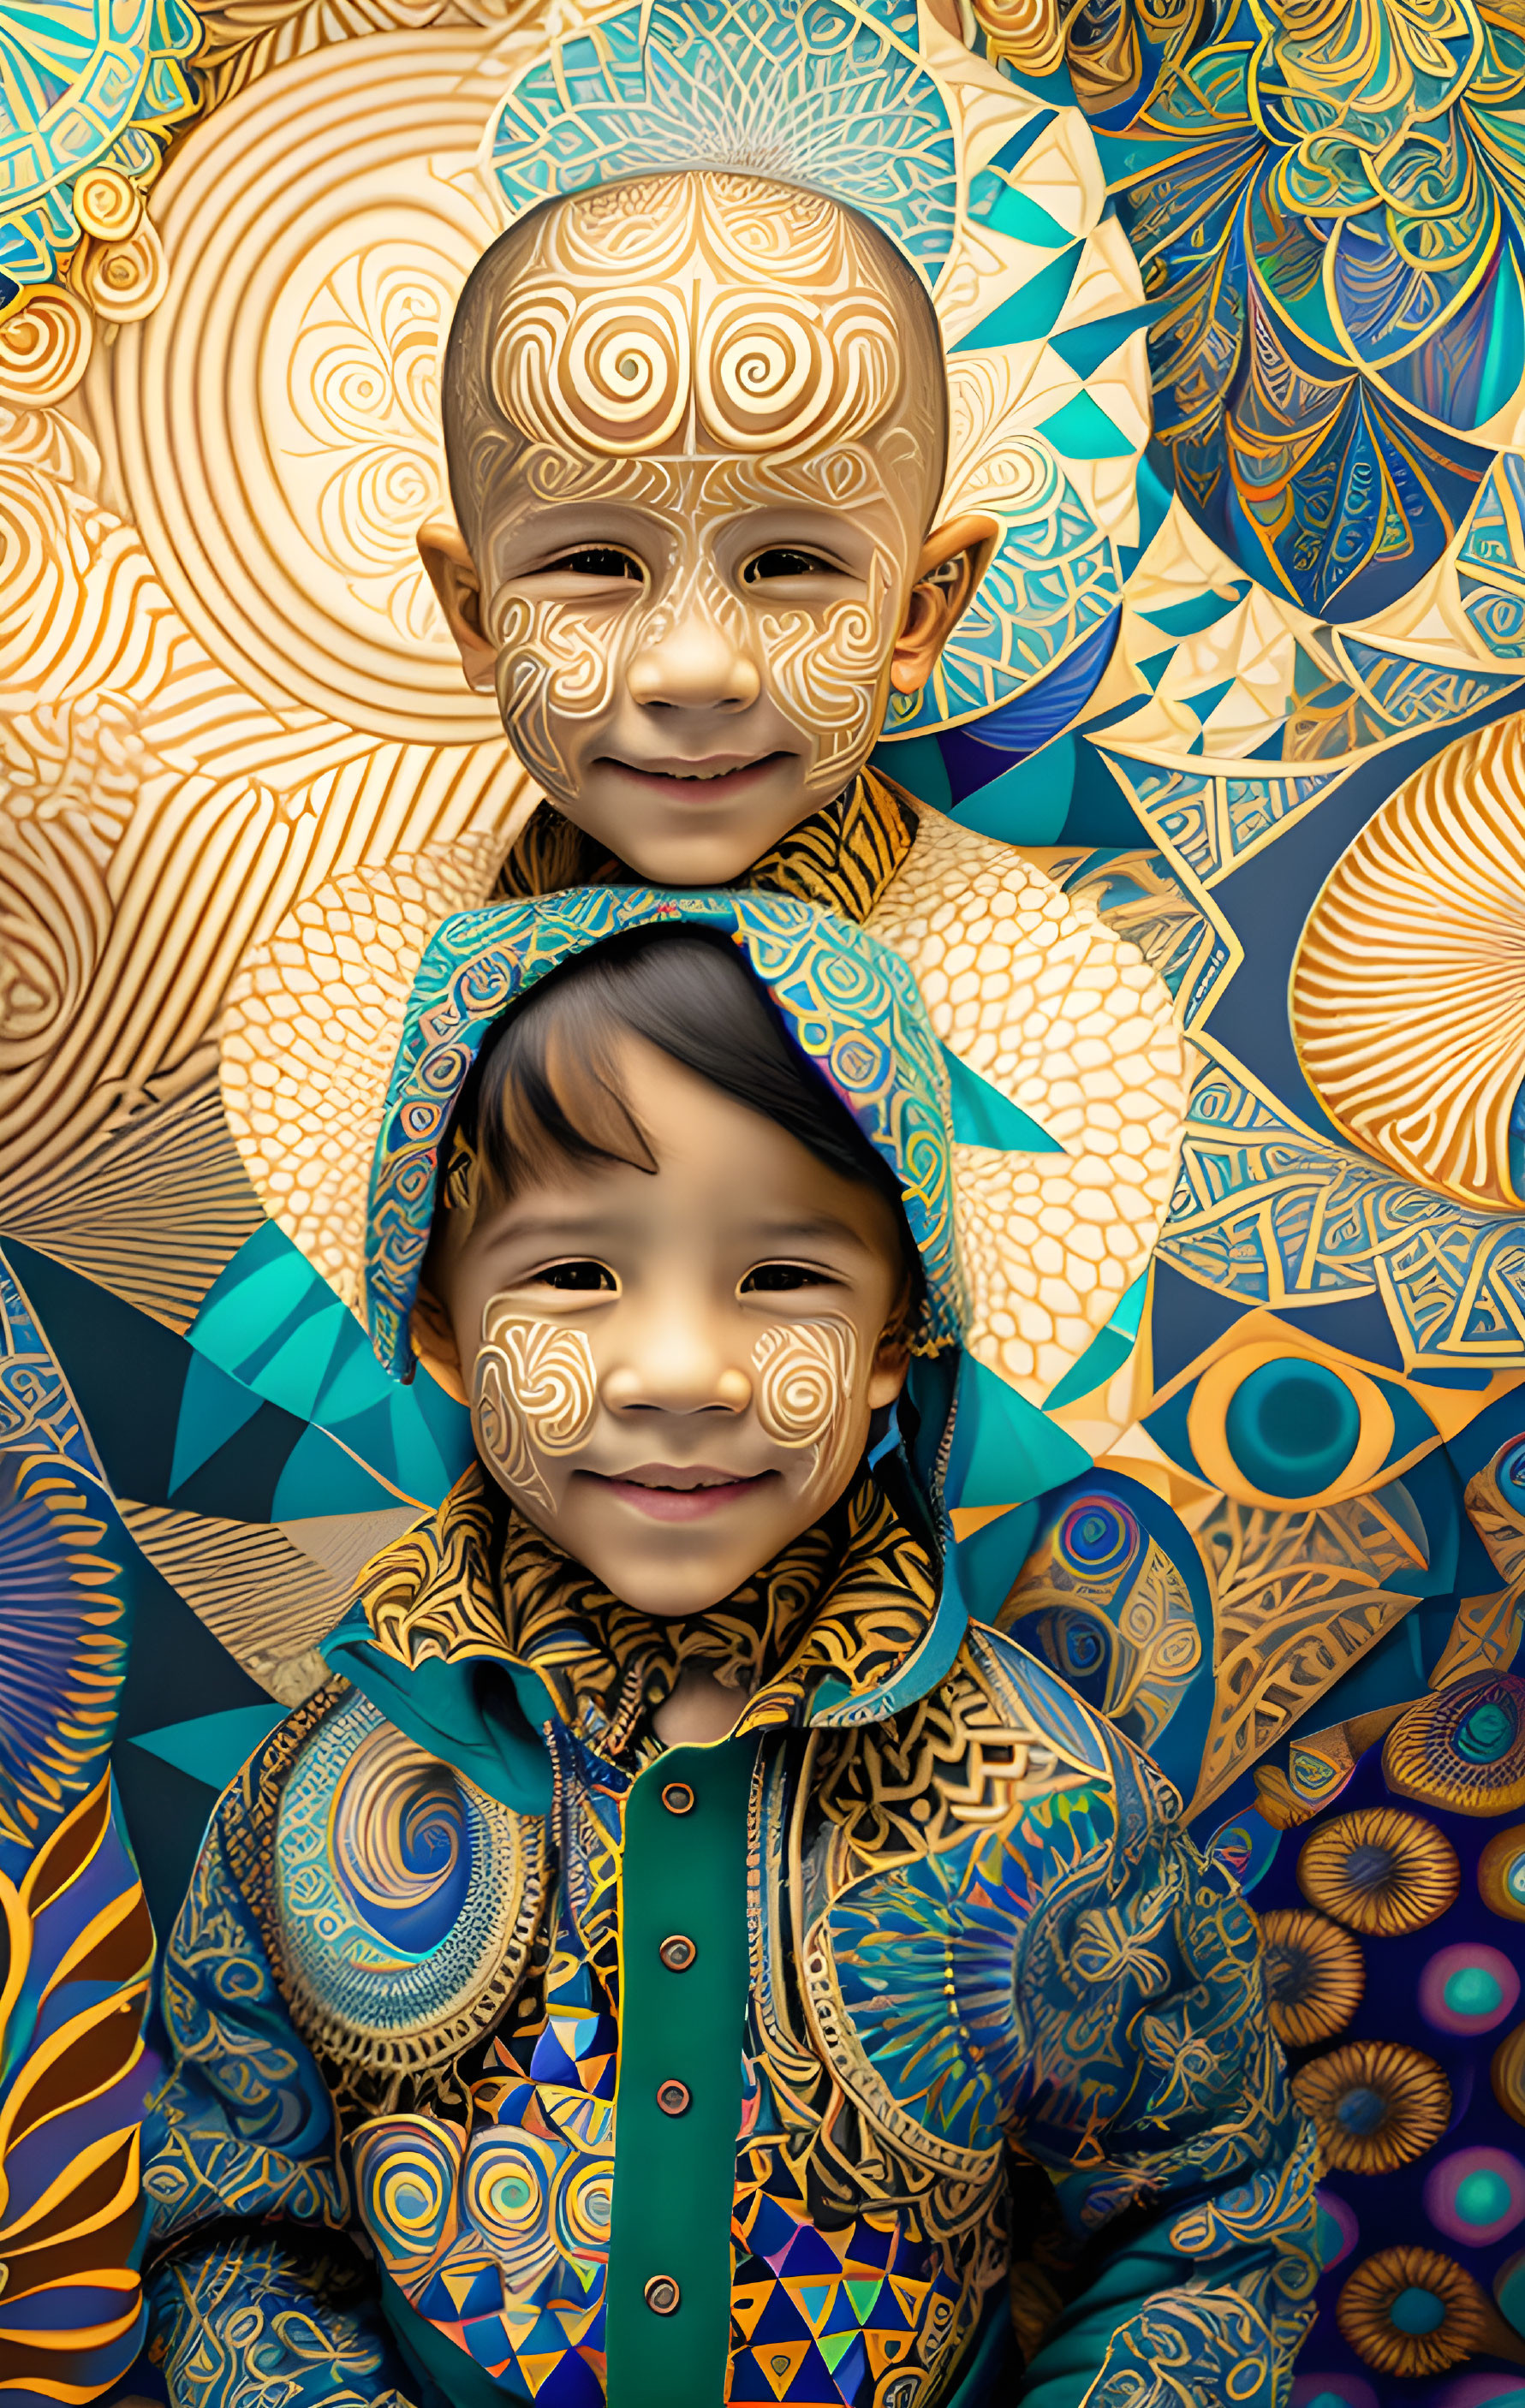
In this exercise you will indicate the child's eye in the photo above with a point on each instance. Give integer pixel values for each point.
(782, 559)
(776, 1279)
(573, 1275)
(599, 560)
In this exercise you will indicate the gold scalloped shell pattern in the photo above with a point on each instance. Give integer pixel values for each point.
(1315, 1975)
(1374, 2104)
(1408, 989)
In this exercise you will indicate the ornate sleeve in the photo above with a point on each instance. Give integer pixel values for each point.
(1155, 2097)
(253, 2291)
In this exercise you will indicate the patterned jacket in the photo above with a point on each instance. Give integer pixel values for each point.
(877, 2059)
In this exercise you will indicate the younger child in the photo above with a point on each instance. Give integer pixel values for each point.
(677, 1960)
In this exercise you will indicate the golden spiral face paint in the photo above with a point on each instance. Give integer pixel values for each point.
(704, 376)
(806, 1389)
(537, 1393)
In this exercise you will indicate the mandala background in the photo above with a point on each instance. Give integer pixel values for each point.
(1266, 720)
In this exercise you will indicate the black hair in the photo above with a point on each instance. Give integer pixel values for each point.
(546, 1085)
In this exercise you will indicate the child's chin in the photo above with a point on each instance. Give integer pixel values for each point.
(677, 1573)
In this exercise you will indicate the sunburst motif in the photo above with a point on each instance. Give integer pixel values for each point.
(1379, 1870)
(1375, 2105)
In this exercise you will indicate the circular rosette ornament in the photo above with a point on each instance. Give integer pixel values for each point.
(407, 1906)
(996, 198)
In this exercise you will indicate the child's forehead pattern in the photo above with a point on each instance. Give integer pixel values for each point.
(693, 311)
(839, 476)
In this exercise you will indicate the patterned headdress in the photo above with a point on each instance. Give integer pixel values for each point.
(852, 1006)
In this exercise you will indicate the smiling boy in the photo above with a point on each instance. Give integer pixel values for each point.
(679, 1959)
(698, 428)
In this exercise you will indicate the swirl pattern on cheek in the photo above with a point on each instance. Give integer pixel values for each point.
(805, 1382)
(536, 1394)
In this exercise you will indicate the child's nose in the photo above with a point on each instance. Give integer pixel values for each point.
(694, 663)
(676, 1366)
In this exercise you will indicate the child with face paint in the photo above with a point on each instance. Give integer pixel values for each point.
(697, 426)
(680, 1956)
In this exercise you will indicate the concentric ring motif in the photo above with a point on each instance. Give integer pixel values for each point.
(408, 1896)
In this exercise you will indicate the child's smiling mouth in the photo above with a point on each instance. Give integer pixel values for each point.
(670, 1492)
(712, 780)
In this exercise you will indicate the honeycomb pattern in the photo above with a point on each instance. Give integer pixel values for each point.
(310, 1031)
(1031, 989)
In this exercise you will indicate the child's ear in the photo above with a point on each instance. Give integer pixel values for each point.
(954, 558)
(434, 1343)
(891, 1362)
(453, 574)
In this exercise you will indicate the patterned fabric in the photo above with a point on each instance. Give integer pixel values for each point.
(1008, 1956)
(852, 1006)
(843, 858)
(849, 1600)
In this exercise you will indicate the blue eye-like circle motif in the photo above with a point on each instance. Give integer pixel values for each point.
(408, 1898)
(1098, 1537)
(1292, 1428)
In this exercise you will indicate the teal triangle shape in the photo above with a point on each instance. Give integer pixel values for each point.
(1085, 348)
(213, 1407)
(1083, 431)
(297, 1371)
(212, 1747)
(1030, 802)
(1029, 312)
(1004, 1450)
(238, 1318)
(1202, 706)
(981, 1115)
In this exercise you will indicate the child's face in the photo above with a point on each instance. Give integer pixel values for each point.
(672, 1373)
(702, 557)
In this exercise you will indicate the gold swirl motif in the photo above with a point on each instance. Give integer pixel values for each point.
(780, 366)
(1408, 989)
(1315, 1975)
(507, 2198)
(805, 1372)
(44, 348)
(246, 465)
(390, 1803)
(1029, 33)
(122, 280)
(107, 206)
(1375, 2105)
(1380, 1871)
(536, 1394)
(779, 371)
(1363, 2312)
(406, 2171)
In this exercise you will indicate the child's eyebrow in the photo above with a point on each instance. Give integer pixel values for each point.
(819, 1224)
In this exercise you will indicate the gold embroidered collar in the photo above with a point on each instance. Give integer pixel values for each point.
(841, 858)
(848, 1600)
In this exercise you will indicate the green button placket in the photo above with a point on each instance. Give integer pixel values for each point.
(681, 1874)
